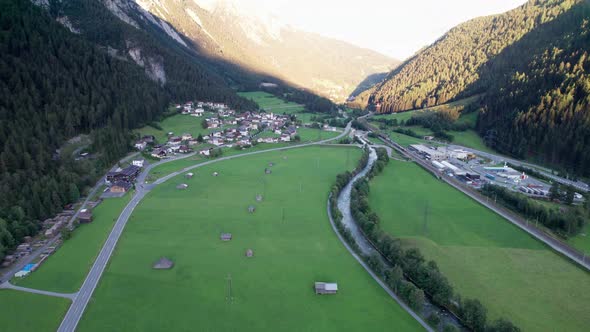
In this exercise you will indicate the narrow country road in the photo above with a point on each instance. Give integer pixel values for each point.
(8, 285)
(80, 302)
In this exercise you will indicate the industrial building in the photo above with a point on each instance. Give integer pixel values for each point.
(428, 152)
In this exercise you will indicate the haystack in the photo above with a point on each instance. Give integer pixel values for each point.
(163, 264)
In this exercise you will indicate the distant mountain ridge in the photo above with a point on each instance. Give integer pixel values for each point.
(260, 43)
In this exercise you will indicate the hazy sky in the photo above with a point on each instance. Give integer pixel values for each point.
(395, 27)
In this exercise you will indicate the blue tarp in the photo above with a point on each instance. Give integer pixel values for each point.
(28, 267)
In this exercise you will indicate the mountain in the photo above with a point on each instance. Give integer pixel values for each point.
(537, 104)
(57, 83)
(450, 67)
(232, 32)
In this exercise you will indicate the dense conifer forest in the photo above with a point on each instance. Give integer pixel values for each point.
(540, 107)
(444, 70)
(55, 85)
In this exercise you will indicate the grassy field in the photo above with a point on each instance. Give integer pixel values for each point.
(402, 116)
(470, 139)
(270, 102)
(582, 240)
(178, 124)
(484, 256)
(66, 269)
(293, 246)
(26, 312)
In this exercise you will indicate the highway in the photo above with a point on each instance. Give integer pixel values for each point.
(80, 302)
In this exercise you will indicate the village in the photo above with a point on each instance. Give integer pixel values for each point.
(226, 128)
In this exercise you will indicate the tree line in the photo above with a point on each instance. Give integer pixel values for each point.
(565, 222)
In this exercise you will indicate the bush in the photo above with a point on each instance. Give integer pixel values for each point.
(433, 319)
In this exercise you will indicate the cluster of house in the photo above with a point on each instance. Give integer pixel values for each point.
(248, 122)
(121, 180)
(240, 129)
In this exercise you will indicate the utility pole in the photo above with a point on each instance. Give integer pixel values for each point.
(425, 225)
(230, 298)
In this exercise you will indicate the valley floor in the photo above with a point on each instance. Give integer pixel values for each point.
(484, 256)
(289, 233)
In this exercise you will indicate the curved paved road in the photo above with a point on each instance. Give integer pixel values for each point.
(8, 285)
(74, 314)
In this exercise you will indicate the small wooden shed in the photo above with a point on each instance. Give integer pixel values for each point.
(163, 264)
(323, 288)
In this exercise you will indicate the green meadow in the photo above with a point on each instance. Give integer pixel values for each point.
(27, 312)
(483, 255)
(66, 269)
(213, 286)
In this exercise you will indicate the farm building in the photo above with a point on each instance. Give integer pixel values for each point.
(251, 208)
(267, 171)
(182, 186)
(189, 175)
(120, 187)
(163, 264)
(85, 216)
(127, 174)
(225, 236)
(322, 288)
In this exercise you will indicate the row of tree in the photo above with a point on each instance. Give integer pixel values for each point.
(565, 222)
(423, 277)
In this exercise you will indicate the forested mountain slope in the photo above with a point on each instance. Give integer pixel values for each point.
(229, 31)
(538, 104)
(54, 85)
(451, 65)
